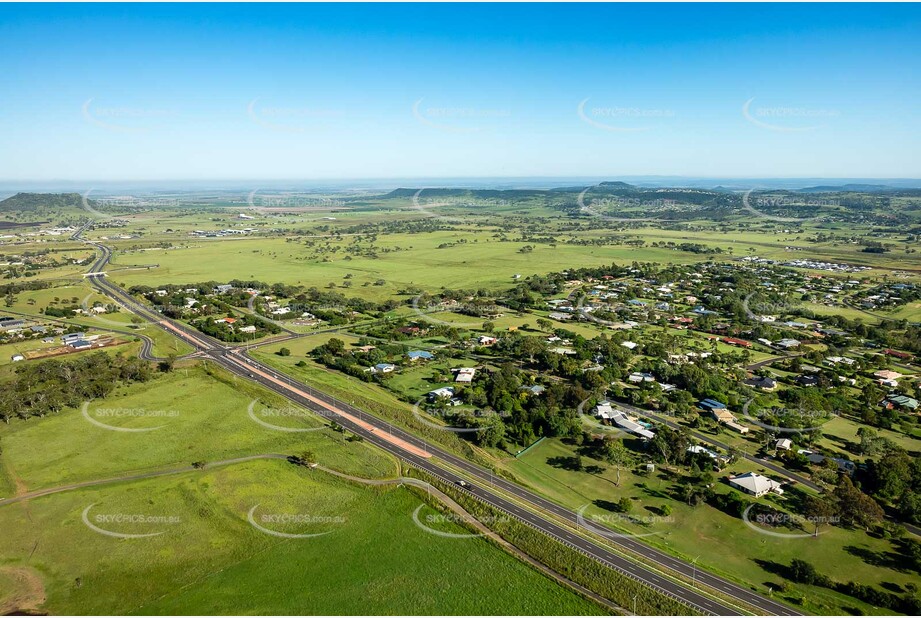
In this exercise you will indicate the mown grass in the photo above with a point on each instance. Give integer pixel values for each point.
(201, 414)
(210, 560)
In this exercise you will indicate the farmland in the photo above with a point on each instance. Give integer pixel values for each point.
(551, 313)
(223, 564)
(209, 559)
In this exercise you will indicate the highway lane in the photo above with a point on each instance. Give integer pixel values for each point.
(374, 436)
(486, 477)
(239, 365)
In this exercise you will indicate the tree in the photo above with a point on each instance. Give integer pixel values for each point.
(530, 347)
(910, 507)
(615, 453)
(492, 431)
(544, 324)
(488, 327)
(284, 352)
(305, 458)
(166, 365)
(335, 346)
(803, 572)
(869, 441)
(819, 510)
(625, 504)
(854, 506)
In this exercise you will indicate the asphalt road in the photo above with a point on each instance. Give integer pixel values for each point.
(773, 467)
(484, 482)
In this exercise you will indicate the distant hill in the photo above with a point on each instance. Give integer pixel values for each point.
(503, 194)
(43, 203)
(616, 185)
(849, 187)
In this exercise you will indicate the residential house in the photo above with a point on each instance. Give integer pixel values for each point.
(638, 377)
(764, 383)
(605, 411)
(445, 392)
(464, 375)
(900, 401)
(806, 380)
(755, 484)
(537, 389)
(886, 374)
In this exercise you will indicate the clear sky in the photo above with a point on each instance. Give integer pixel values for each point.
(117, 92)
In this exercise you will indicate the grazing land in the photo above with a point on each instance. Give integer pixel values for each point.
(650, 361)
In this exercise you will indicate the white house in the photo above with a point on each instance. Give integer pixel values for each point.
(755, 484)
(439, 393)
(620, 418)
(465, 375)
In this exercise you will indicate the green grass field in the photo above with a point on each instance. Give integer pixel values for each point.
(208, 559)
(200, 418)
(212, 561)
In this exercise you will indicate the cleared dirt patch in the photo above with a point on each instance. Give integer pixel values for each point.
(28, 592)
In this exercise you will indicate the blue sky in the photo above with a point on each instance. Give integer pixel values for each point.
(116, 92)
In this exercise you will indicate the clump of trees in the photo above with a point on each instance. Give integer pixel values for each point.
(49, 387)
